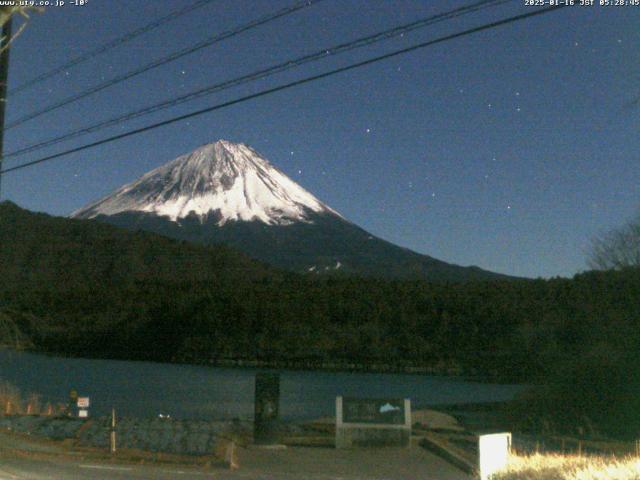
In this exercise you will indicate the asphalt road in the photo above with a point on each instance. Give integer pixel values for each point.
(21, 469)
(313, 464)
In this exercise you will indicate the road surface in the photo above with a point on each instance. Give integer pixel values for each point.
(20, 460)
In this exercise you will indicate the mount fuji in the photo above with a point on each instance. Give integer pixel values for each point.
(227, 193)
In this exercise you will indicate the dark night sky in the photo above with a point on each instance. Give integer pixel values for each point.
(508, 149)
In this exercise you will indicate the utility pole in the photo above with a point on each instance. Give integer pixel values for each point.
(4, 75)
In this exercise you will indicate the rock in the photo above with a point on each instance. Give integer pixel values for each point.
(432, 419)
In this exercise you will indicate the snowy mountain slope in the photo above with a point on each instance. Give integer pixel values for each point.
(222, 180)
(227, 193)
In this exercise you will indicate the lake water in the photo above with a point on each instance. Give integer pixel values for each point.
(146, 389)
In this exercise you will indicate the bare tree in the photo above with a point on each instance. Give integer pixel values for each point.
(6, 13)
(617, 249)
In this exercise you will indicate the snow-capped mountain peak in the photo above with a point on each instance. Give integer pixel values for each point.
(223, 180)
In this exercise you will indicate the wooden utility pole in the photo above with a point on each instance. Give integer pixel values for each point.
(4, 75)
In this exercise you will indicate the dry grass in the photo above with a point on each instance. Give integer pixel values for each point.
(12, 402)
(10, 399)
(227, 451)
(6, 12)
(570, 467)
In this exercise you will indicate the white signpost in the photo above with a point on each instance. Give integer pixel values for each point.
(83, 404)
(494, 452)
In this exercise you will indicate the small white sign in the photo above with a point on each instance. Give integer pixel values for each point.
(494, 453)
(83, 402)
(83, 413)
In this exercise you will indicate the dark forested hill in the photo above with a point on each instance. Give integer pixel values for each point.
(38, 249)
(81, 287)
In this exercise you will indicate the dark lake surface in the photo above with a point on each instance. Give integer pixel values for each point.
(146, 389)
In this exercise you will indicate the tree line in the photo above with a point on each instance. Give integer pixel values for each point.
(88, 289)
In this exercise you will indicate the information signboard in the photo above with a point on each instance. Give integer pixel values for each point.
(373, 410)
(373, 422)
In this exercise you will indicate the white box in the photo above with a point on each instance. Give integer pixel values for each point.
(494, 452)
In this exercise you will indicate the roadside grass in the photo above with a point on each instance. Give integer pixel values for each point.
(570, 467)
(13, 402)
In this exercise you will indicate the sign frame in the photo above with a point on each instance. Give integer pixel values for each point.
(367, 432)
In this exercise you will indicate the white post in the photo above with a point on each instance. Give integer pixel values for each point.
(407, 412)
(112, 437)
(493, 452)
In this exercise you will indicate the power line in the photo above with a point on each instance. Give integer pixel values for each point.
(286, 86)
(164, 60)
(112, 44)
(278, 68)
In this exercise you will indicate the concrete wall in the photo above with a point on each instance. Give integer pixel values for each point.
(354, 435)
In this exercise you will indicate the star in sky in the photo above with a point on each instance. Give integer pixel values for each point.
(477, 124)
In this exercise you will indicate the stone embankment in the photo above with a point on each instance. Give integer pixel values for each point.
(189, 437)
(193, 437)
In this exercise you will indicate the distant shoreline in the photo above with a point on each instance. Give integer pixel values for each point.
(307, 365)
